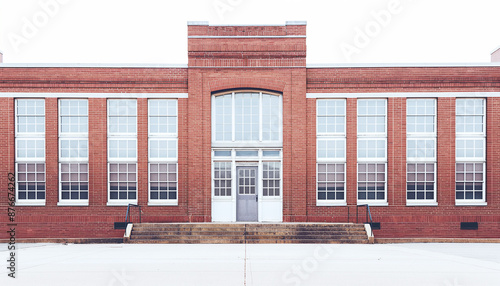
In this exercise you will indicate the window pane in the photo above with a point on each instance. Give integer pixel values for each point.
(247, 153)
(331, 148)
(271, 153)
(371, 181)
(470, 148)
(163, 181)
(122, 116)
(222, 153)
(246, 116)
(222, 179)
(122, 181)
(469, 181)
(371, 148)
(420, 181)
(31, 181)
(271, 178)
(331, 182)
(331, 116)
(255, 115)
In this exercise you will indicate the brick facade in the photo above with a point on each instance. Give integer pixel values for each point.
(271, 58)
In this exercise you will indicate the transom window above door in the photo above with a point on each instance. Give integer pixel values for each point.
(247, 117)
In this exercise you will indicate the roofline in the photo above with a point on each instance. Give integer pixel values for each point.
(309, 66)
(396, 65)
(206, 23)
(90, 65)
(495, 50)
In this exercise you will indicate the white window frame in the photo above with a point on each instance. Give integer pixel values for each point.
(127, 160)
(472, 136)
(163, 160)
(335, 136)
(74, 160)
(30, 160)
(253, 143)
(422, 160)
(367, 160)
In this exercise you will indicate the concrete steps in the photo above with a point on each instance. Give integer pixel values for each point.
(247, 233)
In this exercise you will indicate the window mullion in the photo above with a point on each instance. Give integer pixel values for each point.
(260, 117)
(233, 118)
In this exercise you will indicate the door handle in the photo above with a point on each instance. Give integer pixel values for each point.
(256, 198)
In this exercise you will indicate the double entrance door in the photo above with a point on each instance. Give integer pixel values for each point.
(247, 193)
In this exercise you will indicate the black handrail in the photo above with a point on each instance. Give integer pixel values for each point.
(127, 217)
(368, 216)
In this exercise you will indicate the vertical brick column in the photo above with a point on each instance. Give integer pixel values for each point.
(7, 154)
(182, 153)
(351, 151)
(298, 131)
(492, 152)
(446, 151)
(396, 151)
(288, 194)
(98, 155)
(311, 153)
(142, 151)
(51, 152)
(199, 146)
(7, 140)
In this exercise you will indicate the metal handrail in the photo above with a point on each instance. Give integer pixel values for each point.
(127, 217)
(368, 215)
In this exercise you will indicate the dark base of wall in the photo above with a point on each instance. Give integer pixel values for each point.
(436, 240)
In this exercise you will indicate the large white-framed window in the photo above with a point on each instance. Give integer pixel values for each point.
(372, 151)
(162, 142)
(122, 151)
(30, 151)
(421, 140)
(331, 151)
(73, 152)
(470, 172)
(247, 118)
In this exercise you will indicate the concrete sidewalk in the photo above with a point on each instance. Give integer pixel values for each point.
(256, 264)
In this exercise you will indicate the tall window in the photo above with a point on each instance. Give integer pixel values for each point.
(470, 151)
(331, 151)
(421, 151)
(30, 151)
(372, 153)
(122, 151)
(162, 116)
(73, 152)
(242, 117)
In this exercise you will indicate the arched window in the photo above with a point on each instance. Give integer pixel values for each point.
(240, 118)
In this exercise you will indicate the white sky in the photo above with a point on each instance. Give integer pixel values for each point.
(154, 31)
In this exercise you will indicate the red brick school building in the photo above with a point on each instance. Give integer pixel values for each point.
(248, 132)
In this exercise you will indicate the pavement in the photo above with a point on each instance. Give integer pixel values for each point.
(453, 264)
